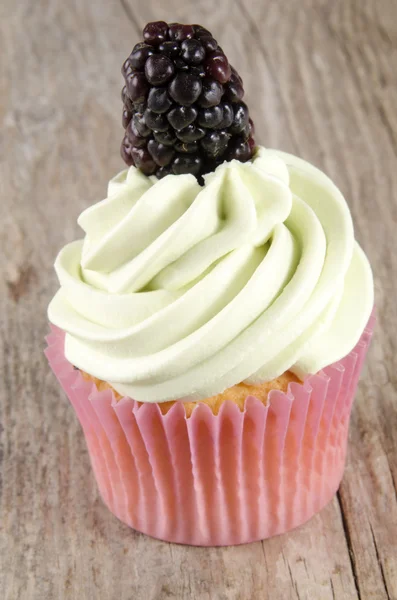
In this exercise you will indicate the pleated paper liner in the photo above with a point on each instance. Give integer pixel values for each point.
(218, 480)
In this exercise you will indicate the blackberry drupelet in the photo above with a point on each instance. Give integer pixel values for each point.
(183, 109)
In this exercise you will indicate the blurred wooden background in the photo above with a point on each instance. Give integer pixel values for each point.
(321, 80)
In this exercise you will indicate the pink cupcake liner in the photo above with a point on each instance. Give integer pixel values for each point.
(218, 480)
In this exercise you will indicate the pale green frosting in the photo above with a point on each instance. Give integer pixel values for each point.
(181, 291)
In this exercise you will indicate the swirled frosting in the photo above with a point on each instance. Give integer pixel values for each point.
(181, 291)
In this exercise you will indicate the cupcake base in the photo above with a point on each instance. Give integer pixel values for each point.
(236, 394)
(216, 480)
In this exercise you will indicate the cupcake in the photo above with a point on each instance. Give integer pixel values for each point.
(211, 326)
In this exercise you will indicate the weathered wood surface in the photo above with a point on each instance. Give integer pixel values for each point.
(321, 78)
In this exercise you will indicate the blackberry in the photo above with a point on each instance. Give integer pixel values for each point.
(155, 33)
(171, 49)
(210, 118)
(239, 149)
(210, 45)
(180, 64)
(185, 88)
(126, 118)
(241, 118)
(140, 124)
(165, 137)
(186, 163)
(188, 148)
(159, 69)
(180, 33)
(198, 71)
(215, 142)
(127, 68)
(155, 121)
(161, 154)
(199, 29)
(191, 133)
(138, 57)
(211, 93)
(135, 139)
(137, 87)
(182, 104)
(128, 104)
(234, 89)
(163, 172)
(217, 66)
(228, 116)
(182, 116)
(193, 52)
(143, 160)
(159, 100)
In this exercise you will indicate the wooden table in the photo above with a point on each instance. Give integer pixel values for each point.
(321, 78)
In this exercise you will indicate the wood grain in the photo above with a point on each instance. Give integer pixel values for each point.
(321, 78)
